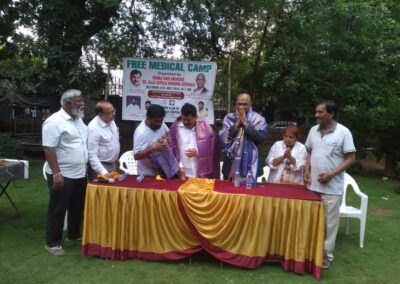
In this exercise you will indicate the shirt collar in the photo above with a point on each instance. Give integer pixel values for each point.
(65, 115)
(330, 131)
(102, 122)
(180, 125)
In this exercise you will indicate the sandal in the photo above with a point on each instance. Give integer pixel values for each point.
(57, 250)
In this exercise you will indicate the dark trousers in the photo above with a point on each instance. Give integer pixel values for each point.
(71, 197)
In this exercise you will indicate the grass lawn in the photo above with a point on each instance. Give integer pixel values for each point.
(23, 258)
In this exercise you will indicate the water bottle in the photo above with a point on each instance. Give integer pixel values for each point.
(237, 179)
(249, 180)
(122, 177)
(140, 178)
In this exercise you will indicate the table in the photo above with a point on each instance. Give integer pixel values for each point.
(11, 171)
(171, 220)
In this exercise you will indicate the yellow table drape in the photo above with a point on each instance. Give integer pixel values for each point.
(241, 229)
(142, 220)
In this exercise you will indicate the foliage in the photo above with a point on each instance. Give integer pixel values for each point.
(9, 147)
(8, 14)
(62, 29)
(21, 73)
(347, 51)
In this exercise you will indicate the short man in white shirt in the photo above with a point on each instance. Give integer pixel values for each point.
(194, 144)
(331, 151)
(103, 141)
(151, 145)
(64, 137)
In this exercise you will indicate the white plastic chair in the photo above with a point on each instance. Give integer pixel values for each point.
(66, 213)
(265, 175)
(352, 212)
(221, 175)
(127, 163)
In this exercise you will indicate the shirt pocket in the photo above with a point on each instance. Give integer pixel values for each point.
(331, 147)
(105, 140)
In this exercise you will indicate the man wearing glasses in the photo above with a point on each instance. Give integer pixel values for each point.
(103, 141)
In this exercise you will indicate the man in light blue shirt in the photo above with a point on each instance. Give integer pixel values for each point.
(331, 151)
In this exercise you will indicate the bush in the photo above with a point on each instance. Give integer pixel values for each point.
(9, 147)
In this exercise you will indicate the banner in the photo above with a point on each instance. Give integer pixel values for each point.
(169, 83)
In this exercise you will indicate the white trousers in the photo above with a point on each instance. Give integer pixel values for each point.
(332, 214)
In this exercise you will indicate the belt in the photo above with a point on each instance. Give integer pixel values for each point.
(109, 164)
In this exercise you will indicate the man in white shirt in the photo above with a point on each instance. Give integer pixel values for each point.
(64, 137)
(331, 151)
(194, 144)
(133, 109)
(151, 145)
(103, 141)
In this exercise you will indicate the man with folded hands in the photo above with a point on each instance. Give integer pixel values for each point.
(241, 136)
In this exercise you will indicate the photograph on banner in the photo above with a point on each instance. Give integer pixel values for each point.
(169, 83)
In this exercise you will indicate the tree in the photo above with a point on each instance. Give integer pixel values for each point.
(62, 29)
(343, 50)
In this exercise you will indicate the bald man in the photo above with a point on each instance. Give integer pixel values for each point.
(103, 141)
(241, 136)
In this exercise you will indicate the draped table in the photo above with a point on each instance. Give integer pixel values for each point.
(171, 220)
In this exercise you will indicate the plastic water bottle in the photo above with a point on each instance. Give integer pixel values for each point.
(140, 178)
(237, 179)
(122, 177)
(249, 180)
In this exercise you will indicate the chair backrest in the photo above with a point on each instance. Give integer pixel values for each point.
(127, 163)
(265, 175)
(44, 170)
(348, 180)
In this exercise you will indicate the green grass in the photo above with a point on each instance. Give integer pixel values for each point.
(23, 258)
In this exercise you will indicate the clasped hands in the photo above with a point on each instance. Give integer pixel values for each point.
(241, 120)
(323, 178)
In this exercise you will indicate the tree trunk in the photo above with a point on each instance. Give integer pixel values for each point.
(390, 166)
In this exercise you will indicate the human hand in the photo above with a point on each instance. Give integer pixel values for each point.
(241, 119)
(167, 137)
(191, 152)
(288, 153)
(324, 178)
(307, 177)
(161, 145)
(58, 181)
(181, 174)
